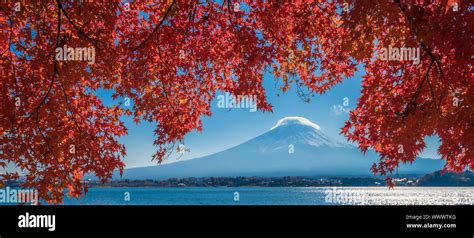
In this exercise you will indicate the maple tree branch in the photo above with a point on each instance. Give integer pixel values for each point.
(55, 67)
(422, 81)
(191, 16)
(169, 101)
(432, 94)
(228, 8)
(11, 30)
(39, 106)
(413, 100)
(156, 27)
(427, 50)
(440, 72)
(325, 11)
(54, 72)
(44, 98)
(304, 96)
(46, 140)
(423, 45)
(81, 32)
(169, 150)
(41, 133)
(10, 39)
(436, 60)
(69, 106)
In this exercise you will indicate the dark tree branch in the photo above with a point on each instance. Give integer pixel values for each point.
(10, 39)
(69, 106)
(55, 70)
(191, 16)
(424, 78)
(436, 60)
(81, 32)
(428, 51)
(11, 30)
(412, 103)
(156, 27)
(432, 94)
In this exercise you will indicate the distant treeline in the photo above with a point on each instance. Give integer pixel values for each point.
(288, 181)
(432, 179)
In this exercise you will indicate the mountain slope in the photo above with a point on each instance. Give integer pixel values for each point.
(314, 154)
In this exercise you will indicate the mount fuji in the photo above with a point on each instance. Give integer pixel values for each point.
(295, 146)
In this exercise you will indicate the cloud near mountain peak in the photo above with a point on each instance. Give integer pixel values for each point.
(295, 120)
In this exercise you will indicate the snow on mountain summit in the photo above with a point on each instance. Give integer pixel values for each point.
(296, 130)
(295, 121)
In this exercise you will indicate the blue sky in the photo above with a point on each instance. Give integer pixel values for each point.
(227, 128)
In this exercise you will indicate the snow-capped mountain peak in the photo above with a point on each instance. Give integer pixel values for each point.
(296, 130)
(295, 121)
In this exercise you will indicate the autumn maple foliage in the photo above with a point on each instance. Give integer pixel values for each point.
(171, 57)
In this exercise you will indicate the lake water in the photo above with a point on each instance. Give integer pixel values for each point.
(277, 196)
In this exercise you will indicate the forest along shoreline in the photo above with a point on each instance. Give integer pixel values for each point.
(437, 178)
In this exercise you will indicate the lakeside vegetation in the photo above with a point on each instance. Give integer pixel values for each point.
(437, 178)
(432, 179)
(287, 181)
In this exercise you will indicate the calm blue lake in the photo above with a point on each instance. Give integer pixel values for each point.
(277, 196)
